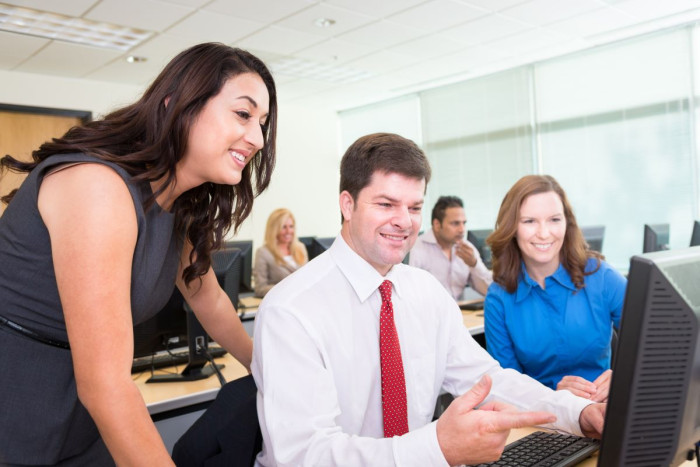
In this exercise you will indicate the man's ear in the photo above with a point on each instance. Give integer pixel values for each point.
(347, 205)
(436, 225)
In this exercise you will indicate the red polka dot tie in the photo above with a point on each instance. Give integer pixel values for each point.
(393, 381)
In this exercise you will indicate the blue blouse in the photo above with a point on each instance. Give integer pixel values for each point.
(559, 331)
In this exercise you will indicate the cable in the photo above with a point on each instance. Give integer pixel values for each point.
(206, 353)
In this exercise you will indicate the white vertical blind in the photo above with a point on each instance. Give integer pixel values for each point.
(616, 125)
(615, 131)
(478, 137)
(400, 116)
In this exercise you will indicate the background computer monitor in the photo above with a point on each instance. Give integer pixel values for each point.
(175, 326)
(246, 247)
(319, 245)
(656, 237)
(594, 235)
(478, 239)
(695, 237)
(653, 413)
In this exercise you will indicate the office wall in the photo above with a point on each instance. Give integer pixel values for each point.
(306, 176)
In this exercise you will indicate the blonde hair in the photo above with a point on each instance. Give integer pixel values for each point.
(273, 228)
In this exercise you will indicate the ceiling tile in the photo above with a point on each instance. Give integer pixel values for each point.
(124, 72)
(383, 61)
(594, 22)
(206, 26)
(541, 12)
(160, 49)
(532, 39)
(427, 47)
(189, 3)
(68, 59)
(382, 34)
(484, 30)
(279, 40)
(374, 8)
(345, 20)
(494, 5)
(69, 8)
(334, 51)
(437, 15)
(17, 47)
(268, 11)
(151, 15)
(650, 9)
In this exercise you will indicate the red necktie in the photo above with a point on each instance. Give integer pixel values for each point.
(393, 381)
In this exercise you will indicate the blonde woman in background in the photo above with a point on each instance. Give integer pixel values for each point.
(282, 253)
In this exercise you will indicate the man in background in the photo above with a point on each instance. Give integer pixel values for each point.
(445, 253)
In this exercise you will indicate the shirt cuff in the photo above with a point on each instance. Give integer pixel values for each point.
(419, 448)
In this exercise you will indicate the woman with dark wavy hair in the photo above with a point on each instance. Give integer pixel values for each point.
(552, 307)
(109, 218)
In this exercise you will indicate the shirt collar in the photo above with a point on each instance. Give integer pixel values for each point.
(361, 275)
(526, 283)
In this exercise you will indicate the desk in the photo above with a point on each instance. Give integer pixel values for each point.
(474, 321)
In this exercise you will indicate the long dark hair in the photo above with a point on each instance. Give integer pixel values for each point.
(148, 139)
(505, 253)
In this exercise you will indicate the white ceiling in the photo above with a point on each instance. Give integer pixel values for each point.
(376, 48)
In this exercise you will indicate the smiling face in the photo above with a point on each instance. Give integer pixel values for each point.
(541, 232)
(226, 134)
(382, 224)
(286, 232)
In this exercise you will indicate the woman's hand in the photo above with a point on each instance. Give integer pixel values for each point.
(597, 391)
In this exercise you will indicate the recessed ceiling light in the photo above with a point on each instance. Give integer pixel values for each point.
(65, 28)
(135, 59)
(324, 22)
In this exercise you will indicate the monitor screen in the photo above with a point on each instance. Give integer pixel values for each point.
(478, 239)
(656, 237)
(175, 327)
(246, 247)
(594, 235)
(319, 245)
(695, 237)
(653, 413)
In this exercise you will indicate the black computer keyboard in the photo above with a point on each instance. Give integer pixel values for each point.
(541, 449)
(162, 360)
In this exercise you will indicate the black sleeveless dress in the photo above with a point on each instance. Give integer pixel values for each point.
(41, 419)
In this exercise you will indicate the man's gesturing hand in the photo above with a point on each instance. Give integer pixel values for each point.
(472, 436)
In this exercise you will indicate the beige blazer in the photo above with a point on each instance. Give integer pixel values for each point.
(267, 272)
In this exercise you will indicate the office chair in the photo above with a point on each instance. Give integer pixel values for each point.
(227, 434)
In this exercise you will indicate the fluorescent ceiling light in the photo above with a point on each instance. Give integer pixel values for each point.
(65, 28)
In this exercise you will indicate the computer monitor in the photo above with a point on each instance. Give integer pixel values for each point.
(695, 237)
(653, 413)
(175, 326)
(656, 237)
(319, 245)
(594, 235)
(246, 246)
(478, 239)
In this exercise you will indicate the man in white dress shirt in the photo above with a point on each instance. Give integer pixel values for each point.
(444, 252)
(316, 357)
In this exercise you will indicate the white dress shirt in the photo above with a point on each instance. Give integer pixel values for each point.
(453, 273)
(317, 369)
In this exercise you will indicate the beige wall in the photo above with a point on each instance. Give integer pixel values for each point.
(305, 179)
